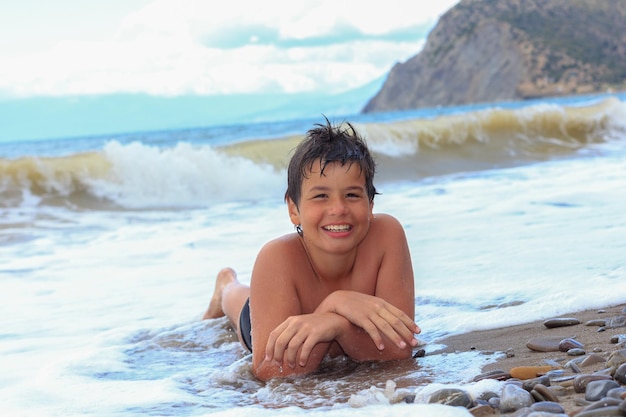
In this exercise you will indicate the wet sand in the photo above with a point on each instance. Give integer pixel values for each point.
(513, 340)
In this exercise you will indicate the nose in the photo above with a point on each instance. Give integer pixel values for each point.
(338, 207)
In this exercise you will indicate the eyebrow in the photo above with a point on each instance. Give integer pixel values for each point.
(325, 188)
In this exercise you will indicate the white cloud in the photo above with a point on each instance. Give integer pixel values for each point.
(171, 47)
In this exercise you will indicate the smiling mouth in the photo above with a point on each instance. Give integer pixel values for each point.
(338, 228)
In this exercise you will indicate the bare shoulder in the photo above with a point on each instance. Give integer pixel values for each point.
(279, 257)
(386, 227)
(281, 246)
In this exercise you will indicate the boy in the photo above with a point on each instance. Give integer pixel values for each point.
(341, 285)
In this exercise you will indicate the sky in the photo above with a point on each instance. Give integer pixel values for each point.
(202, 47)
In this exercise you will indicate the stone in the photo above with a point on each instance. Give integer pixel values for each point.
(569, 343)
(513, 398)
(528, 372)
(544, 344)
(596, 322)
(615, 359)
(597, 390)
(419, 353)
(496, 374)
(615, 322)
(581, 381)
(561, 322)
(409, 399)
(620, 374)
(574, 367)
(592, 359)
(618, 338)
(576, 352)
(487, 395)
(529, 384)
(548, 407)
(618, 393)
(482, 411)
(601, 412)
(451, 396)
(546, 393)
(604, 402)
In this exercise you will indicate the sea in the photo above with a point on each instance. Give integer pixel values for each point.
(109, 248)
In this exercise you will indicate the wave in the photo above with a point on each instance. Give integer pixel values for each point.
(138, 176)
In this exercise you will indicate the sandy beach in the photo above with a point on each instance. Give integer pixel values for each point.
(513, 341)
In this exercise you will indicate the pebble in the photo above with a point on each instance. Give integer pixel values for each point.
(615, 322)
(548, 407)
(620, 374)
(601, 412)
(618, 338)
(545, 393)
(529, 372)
(592, 359)
(581, 381)
(544, 344)
(483, 411)
(574, 367)
(597, 390)
(576, 352)
(513, 398)
(569, 343)
(596, 322)
(529, 384)
(497, 374)
(451, 396)
(616, 359)
(605, 402)
(619, 393)
(419, 353)
(561, 322)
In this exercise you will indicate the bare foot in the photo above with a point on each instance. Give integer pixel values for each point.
(224, 277)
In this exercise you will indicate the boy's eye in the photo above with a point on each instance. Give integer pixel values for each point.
(319, 196)
(353, 195)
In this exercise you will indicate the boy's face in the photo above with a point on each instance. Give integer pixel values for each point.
(335, 210)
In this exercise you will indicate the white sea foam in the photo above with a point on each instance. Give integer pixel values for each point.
(182, 176)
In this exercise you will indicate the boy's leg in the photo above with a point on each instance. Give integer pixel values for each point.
(228, 298)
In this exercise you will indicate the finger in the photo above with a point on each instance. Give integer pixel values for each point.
(408, 322)
(394, 326)
(386, 326)
(402, 325)
(305, 352)
(372, 331)
(276, 343)
(292, 350)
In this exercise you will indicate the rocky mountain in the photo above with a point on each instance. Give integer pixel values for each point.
(493, 50)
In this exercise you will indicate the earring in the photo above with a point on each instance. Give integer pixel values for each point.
(299, 230)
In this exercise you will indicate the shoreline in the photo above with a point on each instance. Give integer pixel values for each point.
(510, 344)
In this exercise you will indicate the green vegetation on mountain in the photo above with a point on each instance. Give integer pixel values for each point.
(487, 50)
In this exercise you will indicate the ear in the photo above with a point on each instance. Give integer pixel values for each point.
(294, 213)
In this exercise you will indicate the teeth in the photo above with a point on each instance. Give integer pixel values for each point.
(338, 228)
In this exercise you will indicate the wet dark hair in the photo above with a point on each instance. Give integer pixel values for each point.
(327, 144)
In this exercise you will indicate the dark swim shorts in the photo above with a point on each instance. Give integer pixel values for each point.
(244, 325)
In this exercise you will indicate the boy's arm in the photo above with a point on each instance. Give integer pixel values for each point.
(387, 318)
(274, 302)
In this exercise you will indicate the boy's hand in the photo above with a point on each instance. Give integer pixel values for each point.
(375, 316)
(302, 333)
